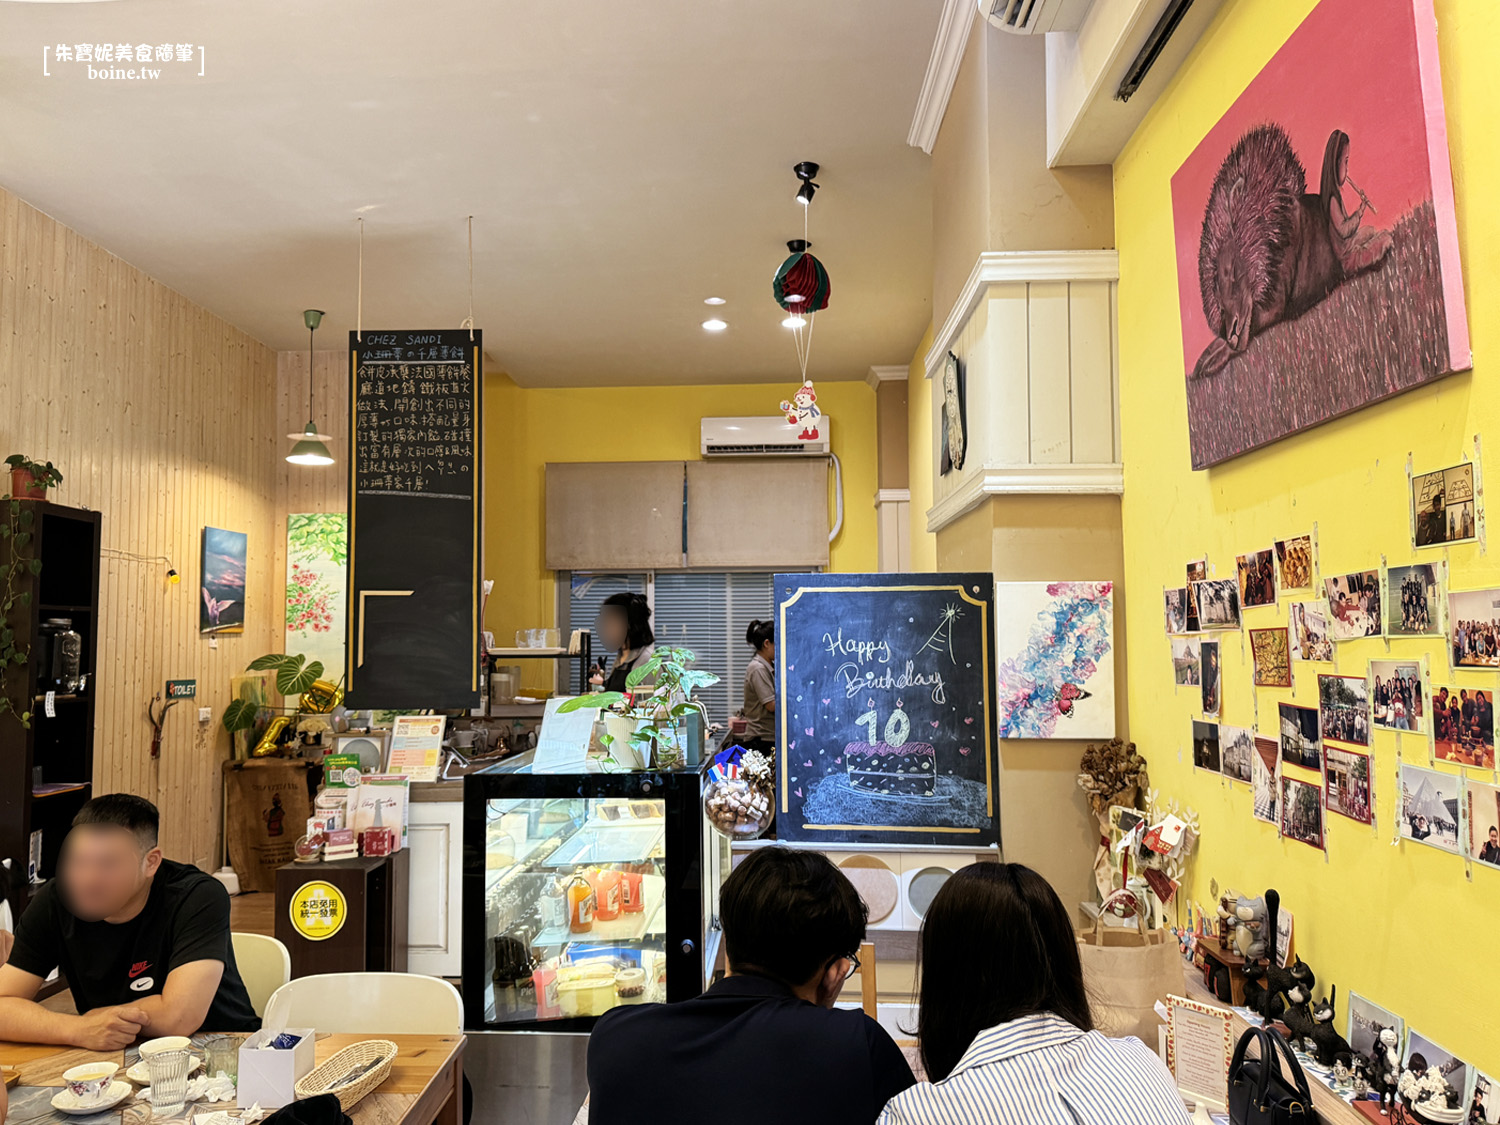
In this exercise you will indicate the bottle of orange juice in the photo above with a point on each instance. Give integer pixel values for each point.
(580, 906)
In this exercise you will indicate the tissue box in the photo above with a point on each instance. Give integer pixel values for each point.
(270, 1077)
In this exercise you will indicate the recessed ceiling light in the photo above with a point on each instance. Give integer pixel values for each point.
(793, 321)
(715, 325)
(713, 300)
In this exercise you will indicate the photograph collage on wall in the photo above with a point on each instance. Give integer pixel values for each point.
(1196, 572)
(1474, 627)
(1307, 623)
(1301, 740)
(1443, 506)
(1294, 560)
(1185, 658)
(1218, 601)
(1344, 708)
(1398, 695)
(1463, 726)
(1346, 784)
(1236, 749)
(1271, 657)
(1302, 811)
(1431, 807)
(1353, 605)
(1210, 678)
(1482, 804)
(1206, 746)
(1256, 576)
(1265, 781)
(1414, 600)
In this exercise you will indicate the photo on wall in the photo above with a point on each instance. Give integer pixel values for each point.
(1430, 807)
(1185, 659)
(1302, 811)
(1423, 1057)
(1236, 749)
(317, 578)
(1442, 506)
(1174, 605)
(1301, 742)
(1366, 1021)
(1344, 708)
(1310, 639)
(1353, 605)
(225, 557)
(1315, 234)
(1294, 560)
(1346, 783)
(1206, 746)
(1474, 627)
(1484, 1107)
(1398, 695)
(1271, 654)
(1210, 677)
(1414, 600)
(1265, 781)
(1218, 603)
(1482, 802)
(1256, 575)
(1055, 643)
(1463, 726)
(1196, 572)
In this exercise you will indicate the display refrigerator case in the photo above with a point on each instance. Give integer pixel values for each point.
(584, 891)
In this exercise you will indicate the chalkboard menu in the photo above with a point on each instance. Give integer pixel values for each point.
(414, 519)
(885, 700)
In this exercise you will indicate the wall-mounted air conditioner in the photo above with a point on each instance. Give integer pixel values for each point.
(1034, 17)
(771, 436)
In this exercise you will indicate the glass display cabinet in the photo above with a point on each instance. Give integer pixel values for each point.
(584, 891)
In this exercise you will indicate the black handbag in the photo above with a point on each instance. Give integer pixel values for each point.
(1261, 1092)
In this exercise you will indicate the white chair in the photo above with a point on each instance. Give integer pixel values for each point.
(265, 965)
(394, 1003)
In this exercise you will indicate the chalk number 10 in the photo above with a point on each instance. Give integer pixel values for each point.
(897, 727)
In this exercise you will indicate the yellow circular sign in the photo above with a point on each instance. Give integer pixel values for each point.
(318, 910)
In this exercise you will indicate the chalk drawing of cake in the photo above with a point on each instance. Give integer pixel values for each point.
(908, 770)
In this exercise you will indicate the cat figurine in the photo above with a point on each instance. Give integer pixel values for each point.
(1327, 1045)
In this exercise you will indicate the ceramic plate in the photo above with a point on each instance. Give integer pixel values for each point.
(117, 1092)
(142, 1077)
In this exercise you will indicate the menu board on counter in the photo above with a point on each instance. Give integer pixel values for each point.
(414, 519)
(885, 701)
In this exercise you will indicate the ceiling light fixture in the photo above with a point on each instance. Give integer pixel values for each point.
(715, 325)
(805, 171)
(713, 300)
(311, 447)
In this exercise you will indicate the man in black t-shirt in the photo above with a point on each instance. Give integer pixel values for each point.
(143, 941)
(766, 1043)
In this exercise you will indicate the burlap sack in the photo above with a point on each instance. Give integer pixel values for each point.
(1126, 971)
(268, 807)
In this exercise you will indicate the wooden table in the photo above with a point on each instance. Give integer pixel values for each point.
(425, 1086)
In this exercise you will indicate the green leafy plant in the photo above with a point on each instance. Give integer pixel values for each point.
(656, 718)
(45, 474)
(294, 675)
(17, 569)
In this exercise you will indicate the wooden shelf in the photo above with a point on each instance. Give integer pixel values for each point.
(517, 710)
(48, 610)
(533, 653)
(63, 787)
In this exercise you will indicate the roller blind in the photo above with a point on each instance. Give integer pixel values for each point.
(763, 513)
(621, 514)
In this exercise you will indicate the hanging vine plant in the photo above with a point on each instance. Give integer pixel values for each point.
(16, 572)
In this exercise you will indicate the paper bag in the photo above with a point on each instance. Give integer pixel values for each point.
(268, 807)
(1126, 971)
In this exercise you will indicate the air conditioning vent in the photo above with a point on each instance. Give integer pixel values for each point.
(762, 437)
(1034, 17)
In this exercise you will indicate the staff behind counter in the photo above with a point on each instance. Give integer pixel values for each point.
(143, 941)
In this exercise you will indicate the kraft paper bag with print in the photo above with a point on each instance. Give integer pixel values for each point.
(268, 809)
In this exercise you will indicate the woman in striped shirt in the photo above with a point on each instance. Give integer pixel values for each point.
(1005, 1031)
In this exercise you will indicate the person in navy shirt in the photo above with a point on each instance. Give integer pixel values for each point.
(765, 1044)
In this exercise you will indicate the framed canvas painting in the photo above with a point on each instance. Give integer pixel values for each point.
(1316, 243)
(1056, 660)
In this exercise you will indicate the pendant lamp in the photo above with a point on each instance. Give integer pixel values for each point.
(311, 447)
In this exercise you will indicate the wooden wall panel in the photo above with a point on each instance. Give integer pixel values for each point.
(164, 418)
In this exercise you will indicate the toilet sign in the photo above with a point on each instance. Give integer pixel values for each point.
(182, 689)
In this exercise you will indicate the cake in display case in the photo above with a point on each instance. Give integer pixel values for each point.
(585, 891)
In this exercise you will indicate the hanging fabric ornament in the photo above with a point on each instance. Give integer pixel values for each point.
(801, 285)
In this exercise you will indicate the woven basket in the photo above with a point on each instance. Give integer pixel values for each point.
(316, 1080)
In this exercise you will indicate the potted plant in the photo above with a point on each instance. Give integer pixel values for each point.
(655, 716)
(29, 480)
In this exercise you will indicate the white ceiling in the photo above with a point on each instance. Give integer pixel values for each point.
(622, 162)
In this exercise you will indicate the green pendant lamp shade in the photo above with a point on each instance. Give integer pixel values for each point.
(801, 284)
(311, 447)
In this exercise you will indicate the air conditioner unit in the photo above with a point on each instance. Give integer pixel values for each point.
(771, 436)
(1034, 17)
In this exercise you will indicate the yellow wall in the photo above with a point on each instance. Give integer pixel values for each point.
(920, 459)
(527, 427)
(1400, 925)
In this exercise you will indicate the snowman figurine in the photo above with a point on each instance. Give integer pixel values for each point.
(803, 411)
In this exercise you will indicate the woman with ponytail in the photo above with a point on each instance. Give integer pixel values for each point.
(760, 689)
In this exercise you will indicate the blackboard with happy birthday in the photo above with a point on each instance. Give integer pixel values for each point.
(885, 705)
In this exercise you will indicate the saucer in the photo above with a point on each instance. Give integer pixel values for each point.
(142, 1077)
(113, 1095)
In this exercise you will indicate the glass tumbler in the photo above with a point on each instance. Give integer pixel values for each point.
(222, 1056)
(169, 1079)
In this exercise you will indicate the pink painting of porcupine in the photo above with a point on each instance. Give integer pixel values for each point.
(1316, 241)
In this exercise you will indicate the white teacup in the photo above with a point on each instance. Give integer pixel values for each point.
(88, 1081)
(165, 1043)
